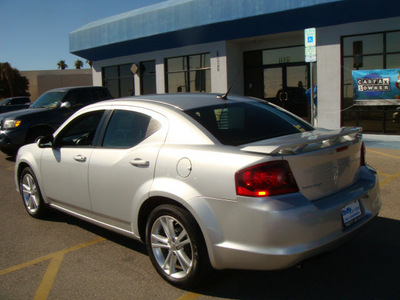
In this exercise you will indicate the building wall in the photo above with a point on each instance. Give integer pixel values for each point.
(42, 81)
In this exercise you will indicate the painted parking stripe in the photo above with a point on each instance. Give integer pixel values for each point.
(384, 154)
(48, 278)
(56, 259)
(189, 296)
(49, 256)
(389, 179)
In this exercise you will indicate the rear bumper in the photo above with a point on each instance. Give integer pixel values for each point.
(269, 234)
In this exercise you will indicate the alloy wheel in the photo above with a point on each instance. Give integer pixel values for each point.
(30, 193)
(172, 247)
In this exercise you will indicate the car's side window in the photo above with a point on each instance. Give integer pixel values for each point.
(79, 97)
(81, 131)
(21, 101)
(100, 94)
(127, 129)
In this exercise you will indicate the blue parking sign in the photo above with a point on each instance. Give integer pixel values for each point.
(309, 37)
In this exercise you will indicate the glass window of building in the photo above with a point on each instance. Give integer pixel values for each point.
(148, 77)
(119, 80)
(369, 52)
(188, 73)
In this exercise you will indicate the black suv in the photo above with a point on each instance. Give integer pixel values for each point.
(14, 103)
(45, 115)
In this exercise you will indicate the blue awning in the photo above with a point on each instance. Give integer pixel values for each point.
(178, 23)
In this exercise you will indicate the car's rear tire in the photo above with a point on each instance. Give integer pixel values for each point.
(31, 195)
(176, 246)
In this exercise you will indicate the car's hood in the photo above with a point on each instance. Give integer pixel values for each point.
(20, 113)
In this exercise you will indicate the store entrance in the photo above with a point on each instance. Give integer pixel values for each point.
(286, 85)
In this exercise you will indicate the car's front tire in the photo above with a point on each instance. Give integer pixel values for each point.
(31, 195)
(176, 246)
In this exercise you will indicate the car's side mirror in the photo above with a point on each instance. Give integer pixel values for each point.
(46, 141)
(65, 105)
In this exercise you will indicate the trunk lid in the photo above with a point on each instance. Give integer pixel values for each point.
(323, 162)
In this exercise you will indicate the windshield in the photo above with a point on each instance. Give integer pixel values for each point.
(243, 123)
(49, 100)
(5, 102)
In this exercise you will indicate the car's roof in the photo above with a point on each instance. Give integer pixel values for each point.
(65, 89)
(183, 101)
(18, 97)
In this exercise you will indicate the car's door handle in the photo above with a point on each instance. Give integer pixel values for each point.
(80, 158)
(138, 162)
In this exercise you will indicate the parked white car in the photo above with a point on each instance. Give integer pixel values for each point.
(204, 181)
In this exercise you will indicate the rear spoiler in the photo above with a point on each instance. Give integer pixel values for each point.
(306, 141)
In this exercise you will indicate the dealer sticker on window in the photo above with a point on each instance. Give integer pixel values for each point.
(351, 213)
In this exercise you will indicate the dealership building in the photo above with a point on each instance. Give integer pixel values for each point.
(270, 49)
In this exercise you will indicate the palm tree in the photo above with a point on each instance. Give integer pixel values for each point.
(6, 73)
(89, 63)
(62, 65)
(78, 64)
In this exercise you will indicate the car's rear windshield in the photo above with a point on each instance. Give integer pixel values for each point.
(48, 100)
(245, 122)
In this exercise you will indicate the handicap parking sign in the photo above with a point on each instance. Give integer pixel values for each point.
(309, 37)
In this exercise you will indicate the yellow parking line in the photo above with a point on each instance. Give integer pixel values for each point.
(384, 154)
(48, 278)
(55, 261)
(49, 256)
(189, 296)
(389, 179)
(384, 174)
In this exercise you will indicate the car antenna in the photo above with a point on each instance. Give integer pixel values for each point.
(225, 96)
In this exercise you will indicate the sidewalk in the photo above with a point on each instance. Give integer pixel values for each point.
(382, 141)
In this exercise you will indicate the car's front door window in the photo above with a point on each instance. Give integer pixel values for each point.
(80, 132)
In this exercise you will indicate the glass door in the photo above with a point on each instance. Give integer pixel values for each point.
(273, 85)
(286, 85)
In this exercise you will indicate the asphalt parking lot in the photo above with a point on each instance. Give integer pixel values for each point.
(65, 258)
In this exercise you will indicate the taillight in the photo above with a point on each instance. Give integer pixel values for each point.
(362, 155)
(267, 179)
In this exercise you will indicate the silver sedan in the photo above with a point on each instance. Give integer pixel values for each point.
(204, 181)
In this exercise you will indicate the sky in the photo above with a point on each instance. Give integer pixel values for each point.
(34, 33)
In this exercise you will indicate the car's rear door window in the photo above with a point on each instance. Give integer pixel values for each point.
(242, 123)
(128, 128)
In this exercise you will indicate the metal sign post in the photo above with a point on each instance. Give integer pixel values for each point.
(310, 42)
(312, 104)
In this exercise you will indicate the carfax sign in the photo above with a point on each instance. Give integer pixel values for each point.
(377, 86)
